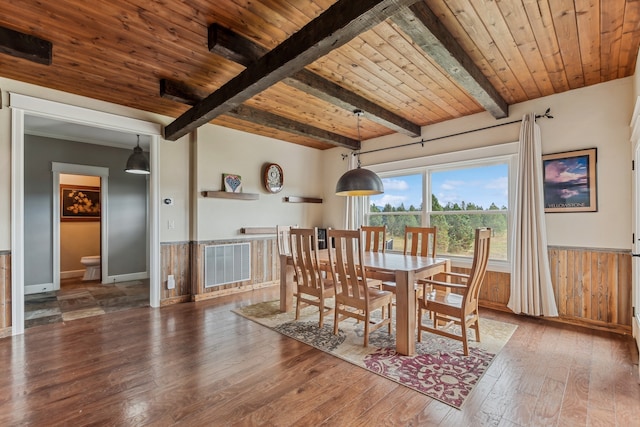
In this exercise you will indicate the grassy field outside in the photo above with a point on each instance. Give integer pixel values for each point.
(499, 247)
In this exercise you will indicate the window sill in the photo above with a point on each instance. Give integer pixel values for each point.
(493, 265)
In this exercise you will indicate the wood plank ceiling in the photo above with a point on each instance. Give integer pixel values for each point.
(427, 61)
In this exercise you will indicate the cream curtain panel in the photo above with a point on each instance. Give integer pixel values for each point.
(531, 288)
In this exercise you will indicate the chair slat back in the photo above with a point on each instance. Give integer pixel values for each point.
(282, 238)
(420, 241)
(478, 268)
(374, 238)
(304, 253)
(347, 267)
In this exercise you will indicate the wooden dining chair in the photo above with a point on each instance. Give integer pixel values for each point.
(282, 239)
(461, 308)
(418, 241)
(374, 241)
(312, 288)
(374, 238)
(356, 295)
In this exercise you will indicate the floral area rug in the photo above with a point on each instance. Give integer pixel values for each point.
(439, 369)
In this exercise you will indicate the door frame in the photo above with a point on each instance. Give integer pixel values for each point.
(24, 105)
(635, 198)
(74, 169)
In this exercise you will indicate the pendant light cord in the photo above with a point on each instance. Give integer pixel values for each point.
(358, 113)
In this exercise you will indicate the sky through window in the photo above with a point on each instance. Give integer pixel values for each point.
(481, 185)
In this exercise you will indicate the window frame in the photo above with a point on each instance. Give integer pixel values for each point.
(485, 156)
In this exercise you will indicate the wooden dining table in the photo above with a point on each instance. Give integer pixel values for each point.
(406, 270)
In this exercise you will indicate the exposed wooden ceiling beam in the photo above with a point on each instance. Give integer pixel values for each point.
(267, 119)
(180, 92)
(332, 29)
(25, 46)
(426, 30)
(233, 46)
(241, 50)
(332, 93)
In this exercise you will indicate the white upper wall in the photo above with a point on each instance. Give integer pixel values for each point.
(595, 116)
(221, 150)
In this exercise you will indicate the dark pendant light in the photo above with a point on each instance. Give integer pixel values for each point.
(138, 162)
(359, 181)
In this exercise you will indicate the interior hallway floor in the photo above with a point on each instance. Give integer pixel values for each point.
(77, 299)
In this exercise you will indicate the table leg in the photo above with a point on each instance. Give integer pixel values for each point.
(286, 284)
(405, 313)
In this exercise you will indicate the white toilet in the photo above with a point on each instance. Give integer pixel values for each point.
(92, 264)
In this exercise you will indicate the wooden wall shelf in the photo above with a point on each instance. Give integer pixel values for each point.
(229, 195)
(296, 199)
(258, 230)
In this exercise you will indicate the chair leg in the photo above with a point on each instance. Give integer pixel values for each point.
(298, 306)
(465, 345)
(335, 321)
(419, 323)
(390, 317)
(366, 328)
(321, 308)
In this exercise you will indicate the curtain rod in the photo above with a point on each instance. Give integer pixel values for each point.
(546, 115)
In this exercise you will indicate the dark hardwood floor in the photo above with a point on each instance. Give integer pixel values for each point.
(200, 364)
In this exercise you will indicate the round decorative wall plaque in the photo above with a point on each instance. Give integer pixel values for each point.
(273, 178)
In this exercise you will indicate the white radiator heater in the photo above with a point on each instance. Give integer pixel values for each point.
(226, 264)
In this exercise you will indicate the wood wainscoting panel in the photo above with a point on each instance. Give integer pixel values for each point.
(592, 287)
(175, 259)
(495, 289)
(265, 268)
(5, 294)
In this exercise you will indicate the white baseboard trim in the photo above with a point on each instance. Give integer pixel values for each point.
(127, 277)
(36, 289)
(71, 273)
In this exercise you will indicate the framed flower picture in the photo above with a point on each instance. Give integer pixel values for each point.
(79, 203)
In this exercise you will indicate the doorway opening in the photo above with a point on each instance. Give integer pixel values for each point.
(80, 219)
(57, 120)
(82, 286)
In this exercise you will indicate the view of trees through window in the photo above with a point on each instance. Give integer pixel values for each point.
(462, 200)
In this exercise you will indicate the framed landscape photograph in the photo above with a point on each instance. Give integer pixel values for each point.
(79, 203)
(570, 181)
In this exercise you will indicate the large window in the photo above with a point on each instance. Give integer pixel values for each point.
(455, 197)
